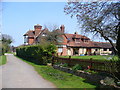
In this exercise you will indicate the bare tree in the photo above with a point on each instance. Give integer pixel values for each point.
(101, 18)
(52, 35)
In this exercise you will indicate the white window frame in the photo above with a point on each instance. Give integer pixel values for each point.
(60, 50)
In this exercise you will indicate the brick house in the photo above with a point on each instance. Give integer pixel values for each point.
(72, 44)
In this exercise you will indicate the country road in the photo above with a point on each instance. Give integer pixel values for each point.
(18, 74)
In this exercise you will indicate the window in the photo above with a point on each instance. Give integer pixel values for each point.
(25, 39)
(60, 39)
(85, 40)
(82, 39)
(105, 49)
(77, 40)
(44, 34)
(59, 49)
(110, 49)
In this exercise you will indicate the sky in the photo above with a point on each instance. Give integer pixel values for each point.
(19, 17)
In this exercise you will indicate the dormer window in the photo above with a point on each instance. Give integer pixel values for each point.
(77, 40)
(85, 40)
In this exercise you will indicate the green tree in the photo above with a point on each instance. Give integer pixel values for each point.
(52, 35)
(101, 18)
(5, 42)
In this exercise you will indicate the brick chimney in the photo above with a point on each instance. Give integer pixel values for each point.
(37, 29)
(76, 33)
(62, 28)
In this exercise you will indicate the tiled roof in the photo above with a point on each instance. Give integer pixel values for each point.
(72, 40)
(72, 43)
(30, 33)
(75, 36)
(102, 44)
(81, 44)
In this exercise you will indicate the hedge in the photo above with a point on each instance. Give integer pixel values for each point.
(38, 54)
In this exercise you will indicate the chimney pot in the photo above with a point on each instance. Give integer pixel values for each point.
(37, 27)
(76, 33)
(62, 28)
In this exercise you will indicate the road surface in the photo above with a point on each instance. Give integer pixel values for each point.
(18, 74)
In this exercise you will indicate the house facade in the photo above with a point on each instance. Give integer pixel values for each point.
(71, 44)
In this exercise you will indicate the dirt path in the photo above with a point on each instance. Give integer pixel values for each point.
(18, 74)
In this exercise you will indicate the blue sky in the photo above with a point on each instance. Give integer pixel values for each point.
(19, 17)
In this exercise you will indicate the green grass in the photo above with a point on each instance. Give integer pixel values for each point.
(60, 78)
(3, 60)
(11, 53)
(95, 57)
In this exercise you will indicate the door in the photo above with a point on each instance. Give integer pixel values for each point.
(88, 51)
(75, 51)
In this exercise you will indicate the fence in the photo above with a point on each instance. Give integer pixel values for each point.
(106, 66)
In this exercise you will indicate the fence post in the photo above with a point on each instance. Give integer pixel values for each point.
(91, 62)
(69, 57)
(53, 57)
(69, 62)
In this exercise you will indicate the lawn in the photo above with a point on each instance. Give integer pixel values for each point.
(62, 79)
(95, 57)
(3, 60)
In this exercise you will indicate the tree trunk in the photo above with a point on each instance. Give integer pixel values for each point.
(118, 42)
(115, 51)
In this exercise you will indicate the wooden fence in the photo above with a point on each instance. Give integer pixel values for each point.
(106, 66)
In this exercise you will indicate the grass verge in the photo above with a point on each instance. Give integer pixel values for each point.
(95, 57)
(61, 79)
(3, 60)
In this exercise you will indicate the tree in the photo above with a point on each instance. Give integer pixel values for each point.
(5, 40)
(53, 35)
(101, 18)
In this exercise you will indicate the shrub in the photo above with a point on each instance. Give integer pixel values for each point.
(57, 63)
(38, 54)
(65, 65)
(76, 67)
(109, 81)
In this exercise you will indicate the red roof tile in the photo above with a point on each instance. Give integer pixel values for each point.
(30, 33)
(76, 36)
(72, 43)
(102, 44)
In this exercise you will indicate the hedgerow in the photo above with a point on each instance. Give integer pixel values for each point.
(38, 54)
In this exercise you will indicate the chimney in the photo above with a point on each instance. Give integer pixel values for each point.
(37, 29)
(76, 33)
(62, 28)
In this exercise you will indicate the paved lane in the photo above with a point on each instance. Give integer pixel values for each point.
(18, 74)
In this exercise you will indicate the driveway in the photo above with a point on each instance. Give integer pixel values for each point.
(18, 74)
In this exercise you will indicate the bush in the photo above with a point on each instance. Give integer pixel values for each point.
(109, 81)
(76, 67)
(38, 54)
(65, 65)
